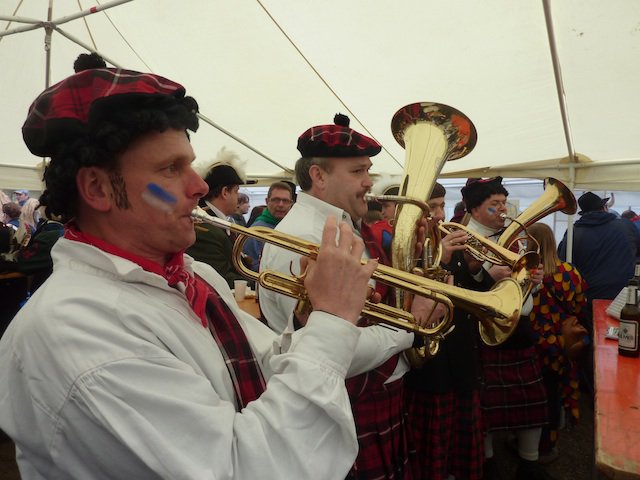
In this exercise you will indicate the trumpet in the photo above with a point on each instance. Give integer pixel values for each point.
(498, 308)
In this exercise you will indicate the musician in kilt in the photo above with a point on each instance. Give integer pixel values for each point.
(333, 175)
(513, 393)
(443, 396)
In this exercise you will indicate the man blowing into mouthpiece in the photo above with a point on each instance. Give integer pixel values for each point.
(134, 361)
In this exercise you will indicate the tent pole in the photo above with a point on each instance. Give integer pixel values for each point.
(90, 11)
(47, 46)
(570, 218)
(562, 100)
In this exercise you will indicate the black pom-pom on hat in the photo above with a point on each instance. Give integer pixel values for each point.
(341, 120)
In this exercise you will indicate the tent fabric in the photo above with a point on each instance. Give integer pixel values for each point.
(264, 71)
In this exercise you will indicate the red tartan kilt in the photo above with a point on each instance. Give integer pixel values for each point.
(382, 435)
(445, 435)
(513, 395)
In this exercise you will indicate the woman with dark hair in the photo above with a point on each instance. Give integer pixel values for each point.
(558, 336)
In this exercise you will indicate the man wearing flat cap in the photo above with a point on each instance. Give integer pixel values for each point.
(133, 360)
(604, 248)
(214, 245)
(513, 395)
(333, 174)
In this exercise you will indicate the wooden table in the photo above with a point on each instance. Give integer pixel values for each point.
(250, 306)
(617, 402)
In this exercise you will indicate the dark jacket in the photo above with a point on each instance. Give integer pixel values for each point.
(213, 246)
(456, 366)
(603, 251)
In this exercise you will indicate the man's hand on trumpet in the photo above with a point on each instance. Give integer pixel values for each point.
(336, 281)
(428, 312)
(453, 242)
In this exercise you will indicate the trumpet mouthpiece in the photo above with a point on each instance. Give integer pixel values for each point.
(493, 211)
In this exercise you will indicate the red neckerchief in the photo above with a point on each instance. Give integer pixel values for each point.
(241, 363)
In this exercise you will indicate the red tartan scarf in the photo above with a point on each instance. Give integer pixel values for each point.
(375, 251)
(213, 312)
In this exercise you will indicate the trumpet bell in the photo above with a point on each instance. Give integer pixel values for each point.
(557, 197)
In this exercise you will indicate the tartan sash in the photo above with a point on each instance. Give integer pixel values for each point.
(375, 250)
(245, 373)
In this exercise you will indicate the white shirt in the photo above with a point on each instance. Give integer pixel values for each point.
(306, 220)
(107, 373)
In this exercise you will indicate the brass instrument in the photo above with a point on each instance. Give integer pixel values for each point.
(499, 306)
(485, 250)
(431, 134)
(556, 197)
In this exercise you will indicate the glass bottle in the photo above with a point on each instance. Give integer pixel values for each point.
(635, 280)
(629, 323)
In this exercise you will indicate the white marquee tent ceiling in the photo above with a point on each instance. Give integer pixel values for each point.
(265, 70)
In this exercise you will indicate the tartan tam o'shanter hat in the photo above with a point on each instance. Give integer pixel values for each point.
(477, 190)
(66, 109)
(336, 140)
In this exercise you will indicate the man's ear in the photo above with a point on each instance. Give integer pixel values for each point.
(94, 188)
(317, 174)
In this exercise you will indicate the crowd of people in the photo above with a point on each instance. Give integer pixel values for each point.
(131, 358)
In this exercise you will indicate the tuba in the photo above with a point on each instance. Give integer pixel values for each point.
(431, 134)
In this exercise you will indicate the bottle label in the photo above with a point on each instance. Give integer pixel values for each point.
(628, 335)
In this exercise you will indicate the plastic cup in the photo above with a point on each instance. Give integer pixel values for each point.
(240, 289)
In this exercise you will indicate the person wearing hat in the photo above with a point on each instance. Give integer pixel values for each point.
(333, 174)
(443, 396)
(214, 245)
(604, 248)
(513, 395)
(604, 251)
(134, 361)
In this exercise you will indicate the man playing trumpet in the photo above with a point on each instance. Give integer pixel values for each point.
(513, 396)
(134, 361)
(333, 174)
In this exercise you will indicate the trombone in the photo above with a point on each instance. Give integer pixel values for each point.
(499, 307)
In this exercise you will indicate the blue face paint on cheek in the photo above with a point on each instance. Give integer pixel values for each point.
(158, 197)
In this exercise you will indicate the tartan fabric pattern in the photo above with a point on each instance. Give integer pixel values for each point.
(336, 141)
(245, 373)
(513, 395)
(65, 107)
(378, 411)
(375, 250)
(445, 434)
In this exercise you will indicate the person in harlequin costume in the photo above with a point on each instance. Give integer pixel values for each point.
(560, 300)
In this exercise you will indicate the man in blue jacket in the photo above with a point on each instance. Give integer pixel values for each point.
(603, 248)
